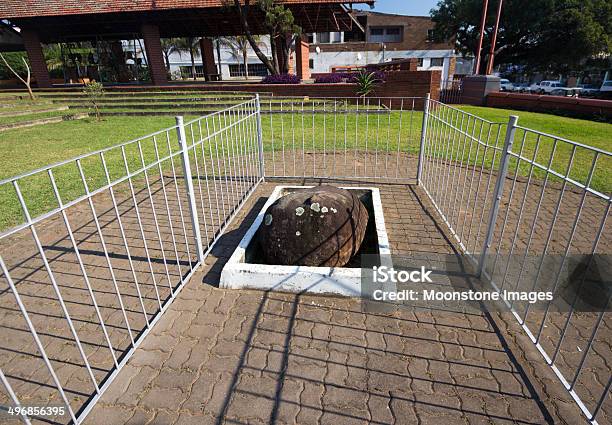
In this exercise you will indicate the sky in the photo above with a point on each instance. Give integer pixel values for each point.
(403, 7)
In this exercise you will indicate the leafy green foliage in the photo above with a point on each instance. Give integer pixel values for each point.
(544, 35)
(15, 61)
(94, 91)
(366, 82)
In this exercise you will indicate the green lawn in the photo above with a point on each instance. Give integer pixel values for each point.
(30, 148)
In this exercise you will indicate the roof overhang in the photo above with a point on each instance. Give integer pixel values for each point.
(208, 20)
(10, 40)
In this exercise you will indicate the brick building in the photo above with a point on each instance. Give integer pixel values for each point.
(382, 37)
(53, 21)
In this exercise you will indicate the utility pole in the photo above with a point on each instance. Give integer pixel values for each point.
(494, 39)
(485, 5)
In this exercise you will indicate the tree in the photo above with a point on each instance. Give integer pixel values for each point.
(186, 44)
(94, 92)
(25, 81)
(543, 35)
(168, 46)
(239, 48)
(279, 23)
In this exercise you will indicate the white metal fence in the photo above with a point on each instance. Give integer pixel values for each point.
(147, 212)
(523, 205)
(134, 221)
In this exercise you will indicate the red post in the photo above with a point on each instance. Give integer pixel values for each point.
(38, 64)
(302, 56)
(155, 56)
(208, 57)
(483, 19)
(494, 39)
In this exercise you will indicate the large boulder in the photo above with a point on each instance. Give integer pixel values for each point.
(322, 226)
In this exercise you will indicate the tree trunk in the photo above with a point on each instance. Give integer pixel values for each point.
(193, 70)
(167, 61)
(287, 52)
(274, 52)
(242, 12)
(219, 59)
(245, 60)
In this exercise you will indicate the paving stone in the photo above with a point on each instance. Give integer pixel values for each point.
(225, 352)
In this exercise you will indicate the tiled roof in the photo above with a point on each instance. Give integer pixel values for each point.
(33, 8)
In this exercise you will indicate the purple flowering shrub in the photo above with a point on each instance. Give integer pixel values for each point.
(281, 79)
(330, 78)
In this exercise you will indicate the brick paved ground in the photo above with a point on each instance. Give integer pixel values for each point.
(253, 357)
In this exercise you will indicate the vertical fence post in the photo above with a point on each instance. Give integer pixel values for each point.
(499, 188)
(423, 136)
(195, 222)
(260, 137)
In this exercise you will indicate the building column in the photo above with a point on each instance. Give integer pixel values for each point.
(208, 57)
(38, 64)
(155, 56)
(302, 56)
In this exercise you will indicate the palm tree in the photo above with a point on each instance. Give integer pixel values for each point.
(239, 48)
(168, 46)
(186, 44)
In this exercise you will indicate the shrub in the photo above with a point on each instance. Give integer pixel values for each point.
(379, 76)
(94, 92)
(281, 79)
(330, 78)
(366, 82)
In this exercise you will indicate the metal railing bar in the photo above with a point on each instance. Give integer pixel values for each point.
(459, 130)
(535, 219)
(82, 198)
(39, 345)
(105, 250)
(159, 237)
(178, 196)
(569, 243)
(124, 239)
(463, 112)
(58, 293)
(13, 397)
(566, 178)
(561, 139)
(82, 267)
(163, 184)
(573, 305)
(141, 228)
(78, 157)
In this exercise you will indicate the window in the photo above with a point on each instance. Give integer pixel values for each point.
(311, 63)
(310, 38)
(436, 62)
(430, 35)
(322, 37)
(329, 37)
(386, 35)
(419, 61)
(255, 69)
(186, 71)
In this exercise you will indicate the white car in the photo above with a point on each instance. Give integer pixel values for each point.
(546, 86)
(606, 86)
(521, 88)
(505, 85)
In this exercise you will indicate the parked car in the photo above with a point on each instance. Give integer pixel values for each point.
(606, 87)
(505, 85)
(521, 88)
(566, 91)
(547, 86)
(588, 90)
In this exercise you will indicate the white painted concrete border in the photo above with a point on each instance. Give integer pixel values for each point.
(237, 274)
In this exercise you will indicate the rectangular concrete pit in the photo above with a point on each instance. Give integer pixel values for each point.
(243, 270)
